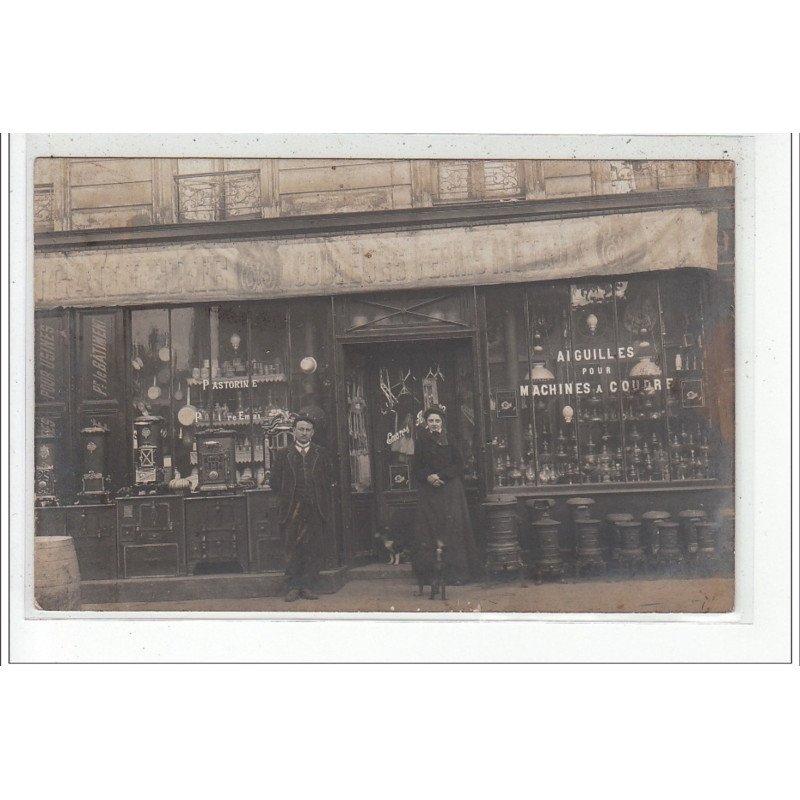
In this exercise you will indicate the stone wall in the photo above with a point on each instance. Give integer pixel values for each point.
(80, 194)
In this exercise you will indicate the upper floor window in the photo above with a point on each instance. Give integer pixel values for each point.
(218, 194)
(43, 207)
(459, 181)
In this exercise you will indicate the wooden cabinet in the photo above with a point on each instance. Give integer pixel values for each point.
(267, 545)
(151, 537)
(216, 534)
(93, 529)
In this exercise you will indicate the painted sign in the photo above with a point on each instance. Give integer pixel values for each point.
(338, 264)
(98, 365)
(52, 357)
(506, 403)
(632, 386)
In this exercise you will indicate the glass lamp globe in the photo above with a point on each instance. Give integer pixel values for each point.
(539, 372)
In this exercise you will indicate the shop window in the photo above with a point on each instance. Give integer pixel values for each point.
(309, 366)
(640, 384)
(52, 358)
(152, 382)
(98, 357)
(239, 367)
(466, 426)
(191, 364)
(269, 385)
(53, 475)
(552, 422)
(99, 402)
(688, 406)
(598, 382)
(234, 373)
(596, 374)
(513, 461)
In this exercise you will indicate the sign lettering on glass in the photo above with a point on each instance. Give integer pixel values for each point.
(97, 357)
(633, 386)
(50, 359)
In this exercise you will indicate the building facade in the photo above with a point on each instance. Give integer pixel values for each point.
(575, 319)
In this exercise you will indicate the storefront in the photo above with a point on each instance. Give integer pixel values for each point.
(580, 351)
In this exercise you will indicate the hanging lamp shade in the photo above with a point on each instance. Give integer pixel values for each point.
(645, 367)
(539, 372)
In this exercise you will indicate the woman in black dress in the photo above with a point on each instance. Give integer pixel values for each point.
(442, 513)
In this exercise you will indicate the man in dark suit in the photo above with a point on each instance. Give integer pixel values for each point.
(301, 476)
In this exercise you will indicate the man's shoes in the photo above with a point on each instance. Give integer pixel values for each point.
(308, 595)
(292, 595)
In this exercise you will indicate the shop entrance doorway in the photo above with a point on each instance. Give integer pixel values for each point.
(388, 386)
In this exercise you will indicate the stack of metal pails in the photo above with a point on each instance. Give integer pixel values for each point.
(503, 552)
(543, 555)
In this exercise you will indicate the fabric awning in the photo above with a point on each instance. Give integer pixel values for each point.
(611, 244)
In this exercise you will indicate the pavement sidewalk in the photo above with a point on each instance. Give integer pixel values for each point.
(395, 592)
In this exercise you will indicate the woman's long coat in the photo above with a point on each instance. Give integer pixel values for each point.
(442, 513)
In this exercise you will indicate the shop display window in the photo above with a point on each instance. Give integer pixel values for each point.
(513, 461)
(269, 385)
(52, 339)
(687, 405)
(151, 372)
(53, 478)
(598, 382)
(191, 363)
(640, 384)
(310, 373)
(466, 425)
(239, 367)
(98, 357)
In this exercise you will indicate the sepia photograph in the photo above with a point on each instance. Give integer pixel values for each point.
(397, 385)
(392, 388)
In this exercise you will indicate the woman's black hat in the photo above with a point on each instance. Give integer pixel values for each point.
(433, 410)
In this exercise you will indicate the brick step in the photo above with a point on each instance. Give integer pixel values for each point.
(373, 572)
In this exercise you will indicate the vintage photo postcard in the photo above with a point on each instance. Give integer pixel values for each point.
(383, 384)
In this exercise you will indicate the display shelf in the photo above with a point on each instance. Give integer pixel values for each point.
(241, 458)
(615, 366)
(236, 423)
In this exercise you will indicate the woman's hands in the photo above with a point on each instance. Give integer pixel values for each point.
(435, 480)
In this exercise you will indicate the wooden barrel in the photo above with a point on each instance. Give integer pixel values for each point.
(56, 577)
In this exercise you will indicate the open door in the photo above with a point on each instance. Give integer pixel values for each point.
(388, 386)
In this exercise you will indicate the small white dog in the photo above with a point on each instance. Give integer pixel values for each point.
(394, 549)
